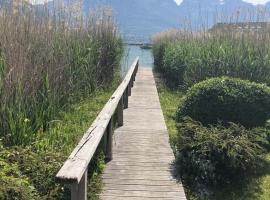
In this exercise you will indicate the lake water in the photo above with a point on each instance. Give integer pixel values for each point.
(133, 51)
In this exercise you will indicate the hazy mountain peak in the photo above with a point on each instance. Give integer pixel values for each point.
(139, 19)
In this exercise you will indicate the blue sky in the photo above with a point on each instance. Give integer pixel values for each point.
(255, 2)
(177, 1)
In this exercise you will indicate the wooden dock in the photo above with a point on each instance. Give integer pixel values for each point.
(140, 156)
(141, 166)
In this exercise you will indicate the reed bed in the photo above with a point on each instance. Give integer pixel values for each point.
(185, 57)
(58, 67)
(50, 58)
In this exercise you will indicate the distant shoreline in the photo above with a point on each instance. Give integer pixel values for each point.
(136, 43)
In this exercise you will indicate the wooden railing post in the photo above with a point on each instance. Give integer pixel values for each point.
(109, 134)
(120, 108)
(126, 99)
(134, 76)
(79, 190)
(131, 81)
(129, 89)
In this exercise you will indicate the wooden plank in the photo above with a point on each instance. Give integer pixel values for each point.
(145, 177)
(137, 182)
(142, 187)
(115, 197)
(139, 172)
(151, 194)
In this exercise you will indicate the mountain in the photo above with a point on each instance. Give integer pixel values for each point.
(139, 19)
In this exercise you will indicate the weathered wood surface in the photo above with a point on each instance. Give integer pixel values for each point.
(141, 167)
(77, 164)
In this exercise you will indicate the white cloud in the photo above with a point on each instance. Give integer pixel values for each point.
(256, 2)
(38, 1)
(178, 2)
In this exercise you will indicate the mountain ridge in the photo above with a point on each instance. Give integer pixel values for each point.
(138, 20)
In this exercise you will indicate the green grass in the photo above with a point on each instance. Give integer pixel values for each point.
(169, 100)
(69, 126)
(256, 189)
(67, 132)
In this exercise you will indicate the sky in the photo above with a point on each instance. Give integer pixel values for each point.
(255, 2)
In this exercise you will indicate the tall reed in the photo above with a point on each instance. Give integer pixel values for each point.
(186, 57)
(51, 57)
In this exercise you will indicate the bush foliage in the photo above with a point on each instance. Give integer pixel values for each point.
(218, 155)
(227, 100)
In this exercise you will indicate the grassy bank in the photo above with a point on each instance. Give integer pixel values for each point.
(169, 100)
(58, 68)
(36, 166)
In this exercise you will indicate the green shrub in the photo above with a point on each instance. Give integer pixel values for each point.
(38, 168)
(14, 184)
(217, 155)
(227, 100)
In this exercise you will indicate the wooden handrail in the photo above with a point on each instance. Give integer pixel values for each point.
(74, 170)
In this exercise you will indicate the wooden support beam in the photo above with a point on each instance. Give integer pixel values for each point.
(120, 117)
(131, 82)
(129, 89)
(79, 190)
(109, 154)
(126, 99)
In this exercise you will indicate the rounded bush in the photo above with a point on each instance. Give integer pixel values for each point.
(218, 155)
(227, 100)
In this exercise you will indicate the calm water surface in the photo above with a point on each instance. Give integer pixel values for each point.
(131, 52)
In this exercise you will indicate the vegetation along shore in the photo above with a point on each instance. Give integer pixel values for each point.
(214, 91)
(57, 70)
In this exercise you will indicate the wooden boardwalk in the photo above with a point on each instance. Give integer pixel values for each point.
(141, 166)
